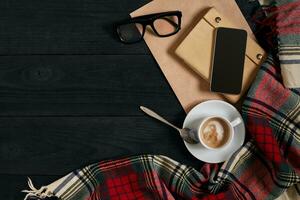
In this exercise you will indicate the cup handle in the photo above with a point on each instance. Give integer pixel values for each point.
(236, 122)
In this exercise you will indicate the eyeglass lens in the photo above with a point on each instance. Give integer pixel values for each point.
(166, 25)
(130, 32)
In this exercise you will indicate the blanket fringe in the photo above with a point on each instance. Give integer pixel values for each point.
(41, 193)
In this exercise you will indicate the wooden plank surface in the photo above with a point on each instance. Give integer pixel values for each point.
(83, 85)
(57, 145)
(64, 27)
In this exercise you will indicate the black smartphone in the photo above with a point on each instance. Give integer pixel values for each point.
(228, 60)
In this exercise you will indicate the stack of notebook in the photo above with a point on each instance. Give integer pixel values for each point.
(189, 86)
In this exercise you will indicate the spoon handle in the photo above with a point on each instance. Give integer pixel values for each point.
(156, 116)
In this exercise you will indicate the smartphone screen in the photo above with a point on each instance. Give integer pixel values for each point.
(228, 60)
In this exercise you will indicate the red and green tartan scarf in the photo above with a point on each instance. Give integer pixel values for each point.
(283, 34)
(263, 168)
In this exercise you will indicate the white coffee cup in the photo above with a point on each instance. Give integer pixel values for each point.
(225, 122)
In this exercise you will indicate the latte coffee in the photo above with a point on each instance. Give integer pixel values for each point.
(215, 132)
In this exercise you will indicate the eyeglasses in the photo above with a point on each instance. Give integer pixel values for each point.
(162, 24)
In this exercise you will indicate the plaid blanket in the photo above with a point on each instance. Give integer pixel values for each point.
(283, 22)
(263, 168)
(288, 31)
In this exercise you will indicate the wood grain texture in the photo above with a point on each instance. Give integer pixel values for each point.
(64, 27)
(58, 145)
(83, 85)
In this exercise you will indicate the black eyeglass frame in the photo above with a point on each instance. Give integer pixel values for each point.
(146, 20)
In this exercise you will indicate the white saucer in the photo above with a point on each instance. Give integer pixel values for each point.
(211, 108)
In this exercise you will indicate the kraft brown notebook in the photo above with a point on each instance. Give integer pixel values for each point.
(188, 86)
(196, 50)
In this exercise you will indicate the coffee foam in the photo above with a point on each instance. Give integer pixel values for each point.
(214, 133)
(215, 126)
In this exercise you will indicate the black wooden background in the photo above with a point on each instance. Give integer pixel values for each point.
(70, 91)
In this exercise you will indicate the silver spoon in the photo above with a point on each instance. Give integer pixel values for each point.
(186, 134)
